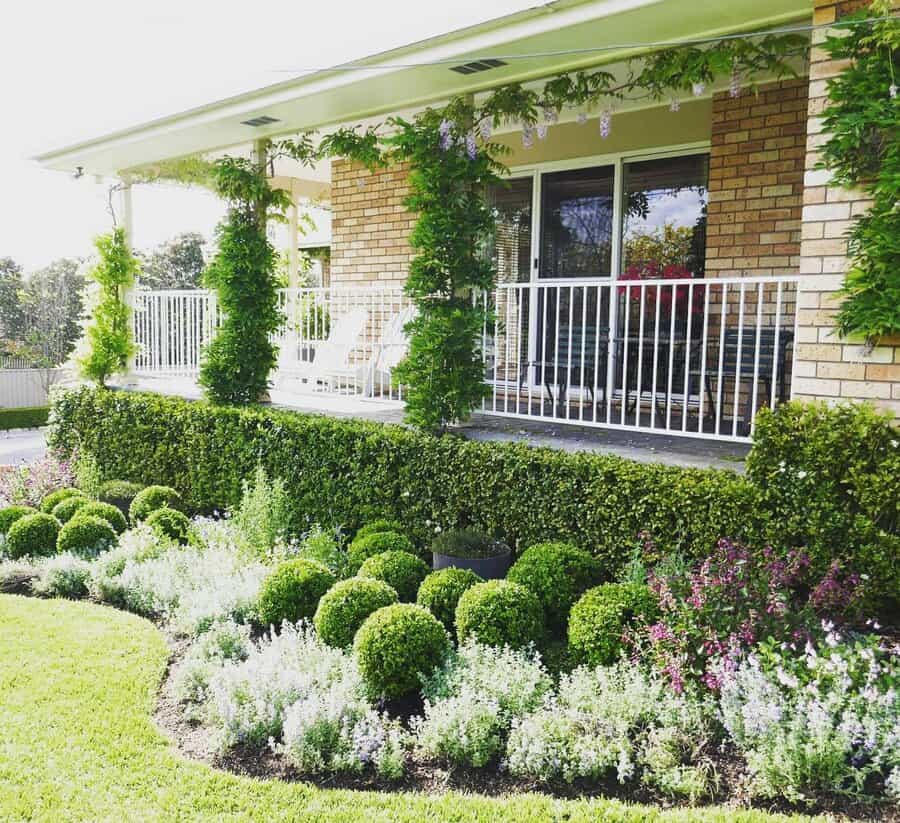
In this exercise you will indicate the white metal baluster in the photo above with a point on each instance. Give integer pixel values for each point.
(640, 363)
(543, 359)
(756, 352)
(569, 354)
(720, 377)
(654, 384)
(672, 310)
(506, 347)
(775, 351)
(687, 357)
(704, 344)
(737, 368)
(581, 386)
(598, 312)
(624, 398)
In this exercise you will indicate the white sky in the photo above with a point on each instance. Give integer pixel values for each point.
(69, 71)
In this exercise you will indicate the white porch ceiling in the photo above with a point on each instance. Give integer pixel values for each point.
(332, 97)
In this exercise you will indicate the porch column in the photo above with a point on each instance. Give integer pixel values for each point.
(293, 240)
(827, 366)
(126, 216)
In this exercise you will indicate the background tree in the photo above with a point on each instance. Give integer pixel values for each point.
(52, 306)
(12, 316)
(176, 264)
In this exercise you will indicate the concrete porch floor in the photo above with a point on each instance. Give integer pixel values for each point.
(633, 445)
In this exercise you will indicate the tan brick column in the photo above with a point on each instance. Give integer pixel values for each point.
(827, 366)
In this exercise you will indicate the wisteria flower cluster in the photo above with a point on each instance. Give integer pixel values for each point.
(826, 720)
(618, 721)
(472, 701)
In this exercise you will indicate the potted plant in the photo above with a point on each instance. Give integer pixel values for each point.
(488, 557)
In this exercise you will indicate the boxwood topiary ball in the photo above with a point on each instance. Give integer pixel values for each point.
(50, 501)
(599, 618)
(33, 535)
(376, 526)
(66, 508)
(500, 613)
(151, 499)
(292, 592)
(402, 571)
(362, 548)
(170, 523)
(558, 573)
(346, 605)
(105, 511)
(441, 590)
(10, 514)
(86, 535)
(119, 493)
(396, 646)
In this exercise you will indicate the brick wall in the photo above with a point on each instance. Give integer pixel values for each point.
(756, 181)
(369, 226)
(827, 366)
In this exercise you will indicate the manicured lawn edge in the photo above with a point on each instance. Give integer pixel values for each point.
(78, 683)
(27, 418)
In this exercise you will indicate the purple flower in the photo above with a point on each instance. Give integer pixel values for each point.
(527, 136)
(734, 86)
(445, 131)
(541, 131)
(485, 128)
(471, 147)
(605, 124)
(675, 105)
(550, 115)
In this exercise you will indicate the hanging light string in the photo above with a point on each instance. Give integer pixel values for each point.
(646, 45)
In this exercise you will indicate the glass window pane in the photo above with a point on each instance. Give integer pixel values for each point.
(576, 223)
(511, 248)
(665, 217)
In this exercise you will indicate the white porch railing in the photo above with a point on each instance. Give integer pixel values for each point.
(684, 357)
(687, 357)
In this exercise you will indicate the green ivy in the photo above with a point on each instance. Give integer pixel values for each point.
(108, 342)
(863, 151)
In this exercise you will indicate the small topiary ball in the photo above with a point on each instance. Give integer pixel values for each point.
(10, 514)
(119, 493)
(65, 510)
(33, 535)
(105, 511)
(151, 499)
(441, 590)
(396, 646)
(346, 605)
(376, 526)
(558, 573)
(402, 571)
(362, 548)
(500, 613)
(86, 536)
(292, 592)
(50, 501)
(600, 617)
(170, 523)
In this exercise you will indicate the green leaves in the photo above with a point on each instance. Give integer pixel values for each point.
(107, 342)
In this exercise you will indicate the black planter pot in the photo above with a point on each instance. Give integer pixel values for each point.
(488, 568)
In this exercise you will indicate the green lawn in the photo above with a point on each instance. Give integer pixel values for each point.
(77, 686)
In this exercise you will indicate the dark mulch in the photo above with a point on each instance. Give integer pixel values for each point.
(195, 741)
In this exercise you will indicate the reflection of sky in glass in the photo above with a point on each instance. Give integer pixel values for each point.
(587, 219)
(681, 208)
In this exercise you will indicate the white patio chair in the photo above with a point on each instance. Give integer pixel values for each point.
(390, 350)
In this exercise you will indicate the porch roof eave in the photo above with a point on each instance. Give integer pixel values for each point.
(396, 80)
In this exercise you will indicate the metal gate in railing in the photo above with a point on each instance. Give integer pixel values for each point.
(688, 356)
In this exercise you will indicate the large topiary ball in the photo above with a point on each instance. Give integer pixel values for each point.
(292, 592)
(398, 645)
(151, 499)
(10, 514)
(86, 536)
(50, 501)
(105, 511)
(558, 573)
(402, 571)
(346, 605)
(33, 535)
(500, 613)
(381, 525)
(65, 510)
(362, 548)
(441, 590)
(119, 493)
(600, 617)
(170, 523)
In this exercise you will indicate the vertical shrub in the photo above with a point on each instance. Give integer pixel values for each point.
(107, 343)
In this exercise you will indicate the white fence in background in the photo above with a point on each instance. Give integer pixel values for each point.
(686, 357)
(23, 388)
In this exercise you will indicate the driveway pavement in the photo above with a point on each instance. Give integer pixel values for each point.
(22, 445)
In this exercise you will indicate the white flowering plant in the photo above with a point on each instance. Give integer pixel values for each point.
(63, 575)
(822, 720)
(619, 721)
(473, 699)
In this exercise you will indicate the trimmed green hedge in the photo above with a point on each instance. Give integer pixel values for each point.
(28, 418)
(352, 472)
